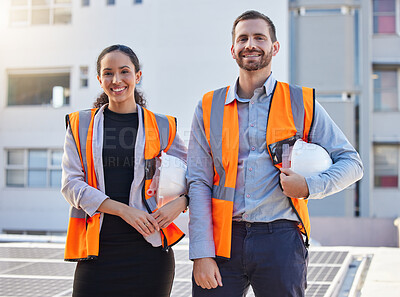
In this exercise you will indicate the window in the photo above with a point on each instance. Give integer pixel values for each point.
(137, 1)
(345, 96)
(110, 2)
(84, 80)
(319, 12)
(384, 13)
(85, 2)
(34, 168)
(386, 89)
(40, 12)
(39, 87)
(386, 165)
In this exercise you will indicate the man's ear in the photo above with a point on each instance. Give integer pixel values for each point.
(233, 52)
(275, 48)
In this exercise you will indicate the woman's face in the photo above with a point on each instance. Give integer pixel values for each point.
(118, 78)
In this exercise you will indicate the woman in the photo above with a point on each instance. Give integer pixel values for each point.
(115, 231)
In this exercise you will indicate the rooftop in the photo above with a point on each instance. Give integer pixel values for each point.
(37, 269)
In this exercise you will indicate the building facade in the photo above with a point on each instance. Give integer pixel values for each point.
(48, 51)
(348, 50)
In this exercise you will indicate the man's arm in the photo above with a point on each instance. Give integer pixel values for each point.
(347, 167)
(200, 176)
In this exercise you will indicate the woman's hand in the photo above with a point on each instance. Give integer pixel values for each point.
(168, 212)
(143, 222)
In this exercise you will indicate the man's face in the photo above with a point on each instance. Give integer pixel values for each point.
(252, 48)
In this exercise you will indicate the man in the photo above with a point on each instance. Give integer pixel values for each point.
(244, 230)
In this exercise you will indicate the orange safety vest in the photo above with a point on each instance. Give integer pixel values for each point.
(290, 117)
(82, 242)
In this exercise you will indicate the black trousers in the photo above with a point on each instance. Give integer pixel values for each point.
(271, 257)
(128, 269)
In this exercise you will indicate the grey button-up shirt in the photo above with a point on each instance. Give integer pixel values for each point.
(258, 197)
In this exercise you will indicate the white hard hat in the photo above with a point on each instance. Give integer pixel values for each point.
(169, 181)
(309, 159)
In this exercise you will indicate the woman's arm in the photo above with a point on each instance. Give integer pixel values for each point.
(82, 196)
(142, 221)
(170, 211)
(178, 148)
(73, 185)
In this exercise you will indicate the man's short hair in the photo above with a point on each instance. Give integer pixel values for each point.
(252, 15)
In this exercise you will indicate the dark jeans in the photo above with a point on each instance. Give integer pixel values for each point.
(271, 257)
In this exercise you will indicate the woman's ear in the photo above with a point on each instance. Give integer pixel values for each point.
(99, 79)
(138, 76)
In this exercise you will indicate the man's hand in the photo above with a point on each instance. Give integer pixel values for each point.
(294, 185)
(206, 273)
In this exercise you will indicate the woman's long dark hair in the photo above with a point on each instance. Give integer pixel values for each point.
(103, 98)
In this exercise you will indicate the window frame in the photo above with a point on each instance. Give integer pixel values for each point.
(83, 77)
(397, 19)
(33, 71)
(397, 146)
(26, 168)
(16, 167)
(378, 67)
(29, 7)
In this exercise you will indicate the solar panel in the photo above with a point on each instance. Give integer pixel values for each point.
(316, 290)
(34, 287)
(39, 270)
(31, 253)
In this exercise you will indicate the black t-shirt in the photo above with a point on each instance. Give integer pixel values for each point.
(119, 140)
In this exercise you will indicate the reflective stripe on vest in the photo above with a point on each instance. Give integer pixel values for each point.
(222, 132)
(82, 241)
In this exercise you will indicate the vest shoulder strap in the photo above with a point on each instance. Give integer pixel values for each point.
(81, 125)
(160, 132)
(291, 114)
(167, 126)
(213, 111)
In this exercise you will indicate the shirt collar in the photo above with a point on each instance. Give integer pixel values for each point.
(268, 88)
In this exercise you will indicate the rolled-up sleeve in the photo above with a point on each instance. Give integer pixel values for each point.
(347, 167)
(200, 175)
(73, 186)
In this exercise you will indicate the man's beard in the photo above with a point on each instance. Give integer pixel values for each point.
(254, 65)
